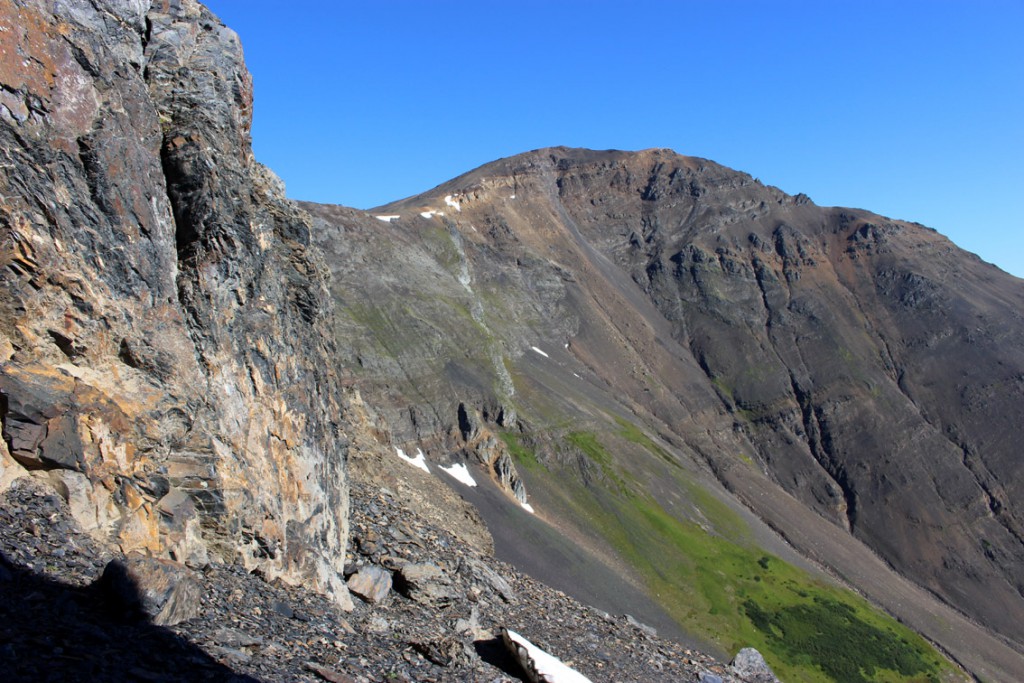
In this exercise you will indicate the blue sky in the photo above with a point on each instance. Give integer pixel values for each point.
(911, 109)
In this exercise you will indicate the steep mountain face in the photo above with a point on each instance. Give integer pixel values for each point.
(875, 369)
(811, 359)
(164, 337)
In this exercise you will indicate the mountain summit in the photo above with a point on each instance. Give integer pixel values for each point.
(854, 381)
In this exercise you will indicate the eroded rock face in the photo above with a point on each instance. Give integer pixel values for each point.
(165, 356)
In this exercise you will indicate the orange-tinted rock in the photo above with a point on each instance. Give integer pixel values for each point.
(162, 318)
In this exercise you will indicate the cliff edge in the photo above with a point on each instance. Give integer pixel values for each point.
(163, 321)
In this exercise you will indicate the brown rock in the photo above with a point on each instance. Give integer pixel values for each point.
(162, 305)
(160, 590)
(371, 583)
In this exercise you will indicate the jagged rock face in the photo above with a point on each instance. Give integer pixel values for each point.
(867, 366)
(165, 361)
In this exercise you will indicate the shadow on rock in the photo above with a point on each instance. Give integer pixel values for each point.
(495, 653)
(52, 631)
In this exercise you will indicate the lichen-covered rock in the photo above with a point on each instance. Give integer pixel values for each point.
(750, 665)
(164, 326)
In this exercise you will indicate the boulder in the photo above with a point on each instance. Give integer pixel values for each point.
(161, 591)
(371, 583)
(426, 583)
(749, 665)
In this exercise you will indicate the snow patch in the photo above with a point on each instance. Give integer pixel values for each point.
(535, 660)
(540, 352)
(512, 197)
(419, 461)
(450, 201)
(388, 219)
(527, 507)
(461, 473)
(428, 214)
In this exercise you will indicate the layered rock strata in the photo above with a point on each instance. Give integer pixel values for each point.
(164, 325)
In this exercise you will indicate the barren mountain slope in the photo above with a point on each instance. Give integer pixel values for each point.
(633, 321)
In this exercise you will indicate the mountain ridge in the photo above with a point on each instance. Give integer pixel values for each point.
(701, 250)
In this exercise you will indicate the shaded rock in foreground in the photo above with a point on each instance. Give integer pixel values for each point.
(159, 590)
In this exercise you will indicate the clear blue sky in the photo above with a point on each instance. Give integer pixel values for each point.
(912, 109)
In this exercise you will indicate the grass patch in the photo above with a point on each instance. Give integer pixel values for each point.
(523, 455)
(588, 444)
(630, 432)
(721, 587)
(845, 645)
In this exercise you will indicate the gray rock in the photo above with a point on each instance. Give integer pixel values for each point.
(378, 624)
(441, 651)
(230, 655)
(488, 576)
(169, 269)
(750, 665)
(649, 630)
(421, 572)
(425, 583)
(232, 637)
(371, 583)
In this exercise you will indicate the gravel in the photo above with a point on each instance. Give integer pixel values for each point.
(441, 621)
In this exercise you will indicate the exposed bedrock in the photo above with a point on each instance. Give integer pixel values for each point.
(166, 356)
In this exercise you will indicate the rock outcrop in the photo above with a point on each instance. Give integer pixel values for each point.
(164, 324)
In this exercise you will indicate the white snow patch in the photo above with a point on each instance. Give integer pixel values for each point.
(460, 472)
(419, 461)
(547, 667)
(428, 214)
(388, 219)
(576, 376)
(527, 507)
(566, 344)
(512, 197)
(450, 201)
(540, 352)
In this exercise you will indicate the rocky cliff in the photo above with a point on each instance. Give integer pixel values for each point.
(167, 361)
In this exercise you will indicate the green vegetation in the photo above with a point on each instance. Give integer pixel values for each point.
(522, 454)
(722, 386)
(747, 459)
(630, 432)
(719, 585)
(589, 445)
(833, 636)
